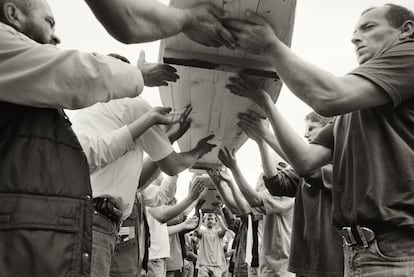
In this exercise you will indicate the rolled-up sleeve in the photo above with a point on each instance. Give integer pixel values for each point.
(44, 76)
(103, 150)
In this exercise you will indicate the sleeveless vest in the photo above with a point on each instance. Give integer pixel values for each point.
(45, 195)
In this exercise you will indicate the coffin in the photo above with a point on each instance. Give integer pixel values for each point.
(204, 72)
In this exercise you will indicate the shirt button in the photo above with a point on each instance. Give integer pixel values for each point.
(85, 257)
(95, 212)
(88, 197)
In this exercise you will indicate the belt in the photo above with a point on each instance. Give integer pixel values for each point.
(357, 236)
(105, 207)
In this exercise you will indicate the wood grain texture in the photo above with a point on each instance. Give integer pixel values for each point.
(204, 72)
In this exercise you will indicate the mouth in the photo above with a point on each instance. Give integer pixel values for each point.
(358, 49)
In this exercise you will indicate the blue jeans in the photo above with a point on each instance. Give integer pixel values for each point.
(104, 236)
(389, 256)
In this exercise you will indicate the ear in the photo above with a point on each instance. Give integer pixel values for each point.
(407, 30)
(13, 15)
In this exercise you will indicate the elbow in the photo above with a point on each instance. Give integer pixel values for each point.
(328, 106)
(304, 171)
(161, 219)
(126, 37)
(326, 109)
(171, 171)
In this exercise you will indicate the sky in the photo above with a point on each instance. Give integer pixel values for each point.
(321, 36)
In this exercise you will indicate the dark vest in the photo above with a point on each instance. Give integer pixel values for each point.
(45, 195)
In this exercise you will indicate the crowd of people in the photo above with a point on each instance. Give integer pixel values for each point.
(80, 198)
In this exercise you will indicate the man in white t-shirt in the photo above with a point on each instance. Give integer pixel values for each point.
(160, 232)
(114, 136)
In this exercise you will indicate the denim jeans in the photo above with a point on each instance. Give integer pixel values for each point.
(389, 256)
(104, 236)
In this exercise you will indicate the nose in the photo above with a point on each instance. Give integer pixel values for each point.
(355, 39)
(55, 40)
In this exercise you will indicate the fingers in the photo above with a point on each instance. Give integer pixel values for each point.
(234, 25)
(162, 110)
(141, 58)
(227, 152)
(207, 138)
(186, 113)
(255, 18)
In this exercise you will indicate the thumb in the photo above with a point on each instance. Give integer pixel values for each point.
(141, 58)
(255, 18)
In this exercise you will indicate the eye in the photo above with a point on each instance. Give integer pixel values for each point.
(368, 26)
(51, 22)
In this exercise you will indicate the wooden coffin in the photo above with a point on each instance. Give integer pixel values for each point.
(204, 72)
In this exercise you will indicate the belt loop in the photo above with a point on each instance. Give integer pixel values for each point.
(362, 236)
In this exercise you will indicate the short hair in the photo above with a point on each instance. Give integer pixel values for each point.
(117, 56)
(315, 117)
(26, 6)
(396, 15)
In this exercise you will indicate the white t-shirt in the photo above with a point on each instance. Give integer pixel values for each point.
(160, 241)
(276, 231)
(114, 158)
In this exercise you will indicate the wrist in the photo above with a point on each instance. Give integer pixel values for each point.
(271, 47)
(188, 18)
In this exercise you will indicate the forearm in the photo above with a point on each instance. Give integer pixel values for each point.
(173, 211)
(174, 229)
(227, 199)
(223, 227)
(269, 164)
(296, 150)
(150, 171)
(184, 160)
(252, 197)
(139, 20)
(45, 76)
(140, 125)
(241, 203)
(318, 88)
(103, 150)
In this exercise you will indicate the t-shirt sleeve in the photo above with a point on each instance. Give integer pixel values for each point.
(392, 71)
(276, 204)
(325, 137)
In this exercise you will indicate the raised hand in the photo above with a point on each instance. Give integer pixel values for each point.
(242, 87)
(217, 176)
(176, 131)
(196, 189)
(160, 115)
(203, 147)
(227, 158)
(191, 222)
(253, 125)
(206, 28)
(254, 35)
(155, 74)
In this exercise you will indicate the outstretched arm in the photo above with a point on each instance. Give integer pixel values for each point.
(177, 162)
(303, 157)
(163, 214)
(235, 198)
(135, 21)
(229, 160)
(188, 224)
(103, 150)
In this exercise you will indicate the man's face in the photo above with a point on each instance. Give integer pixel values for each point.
(210, 220)
(312, 129)
(39, 24)
(373, 34)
